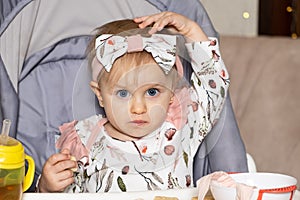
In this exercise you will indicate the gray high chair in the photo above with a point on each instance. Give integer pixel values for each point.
(42, 47)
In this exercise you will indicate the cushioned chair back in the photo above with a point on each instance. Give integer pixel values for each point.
(42, 49)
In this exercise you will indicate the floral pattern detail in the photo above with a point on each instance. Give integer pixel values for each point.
(186, 158)
(121, 184)
(169, 150)
(188, 179)
(161, 46)
(212, 83)
(109, 181)
(163, 159)
(125, 170)
(170, 133)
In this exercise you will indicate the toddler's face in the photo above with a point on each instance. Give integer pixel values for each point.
(137, 104)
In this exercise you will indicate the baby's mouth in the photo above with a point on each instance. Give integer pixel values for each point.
(139, 122)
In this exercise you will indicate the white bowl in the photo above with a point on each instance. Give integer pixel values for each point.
(279, 184)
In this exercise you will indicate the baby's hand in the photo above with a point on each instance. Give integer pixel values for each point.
(176, 22)
(57, 172)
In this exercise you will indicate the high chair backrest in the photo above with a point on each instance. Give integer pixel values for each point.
(42, 50)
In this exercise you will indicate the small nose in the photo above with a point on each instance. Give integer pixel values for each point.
(138, 105)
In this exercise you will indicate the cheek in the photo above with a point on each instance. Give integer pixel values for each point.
(116, 116)
(158, 112)
(116, 108)
(162, 106)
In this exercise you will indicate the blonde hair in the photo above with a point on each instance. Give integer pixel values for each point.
(124, 64)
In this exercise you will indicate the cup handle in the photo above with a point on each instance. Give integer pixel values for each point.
(28, 179)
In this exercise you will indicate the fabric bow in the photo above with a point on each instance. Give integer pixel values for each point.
(110, 47)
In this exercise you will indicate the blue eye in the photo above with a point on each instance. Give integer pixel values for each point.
(152, 92)
(123, 93)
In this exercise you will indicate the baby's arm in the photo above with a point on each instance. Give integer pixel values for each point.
(210, 81)
(175, 22)
(57, 172)
(210, 78)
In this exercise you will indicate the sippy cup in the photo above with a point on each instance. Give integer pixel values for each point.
(13, 181)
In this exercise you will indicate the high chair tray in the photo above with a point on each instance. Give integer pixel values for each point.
(181, 194)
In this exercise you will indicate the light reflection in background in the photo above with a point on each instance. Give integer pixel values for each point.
(233, 17)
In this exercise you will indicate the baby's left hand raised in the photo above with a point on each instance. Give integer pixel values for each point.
(175, 22)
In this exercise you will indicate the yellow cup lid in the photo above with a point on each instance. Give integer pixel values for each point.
(11, 153)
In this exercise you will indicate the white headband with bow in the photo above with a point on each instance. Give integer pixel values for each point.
(110, 47)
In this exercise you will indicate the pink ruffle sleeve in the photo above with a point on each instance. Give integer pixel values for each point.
(69, 139)
(178, 110)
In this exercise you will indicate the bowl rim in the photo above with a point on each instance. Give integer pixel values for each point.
(214, 183)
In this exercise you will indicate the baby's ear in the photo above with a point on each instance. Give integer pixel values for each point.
(96, 89)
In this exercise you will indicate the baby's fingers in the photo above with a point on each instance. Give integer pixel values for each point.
(56, 158)
(61, 186)
(158, 21)
(150, 19)
(162, 23)
(56, 182)
(139, 19)
(144, 21)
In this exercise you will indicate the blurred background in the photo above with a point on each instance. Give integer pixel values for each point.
(260, 45)
(254, 17)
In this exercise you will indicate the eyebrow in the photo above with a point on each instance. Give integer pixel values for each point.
(119, 86)
(152, 84)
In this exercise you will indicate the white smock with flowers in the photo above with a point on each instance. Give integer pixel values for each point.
(163, 159)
